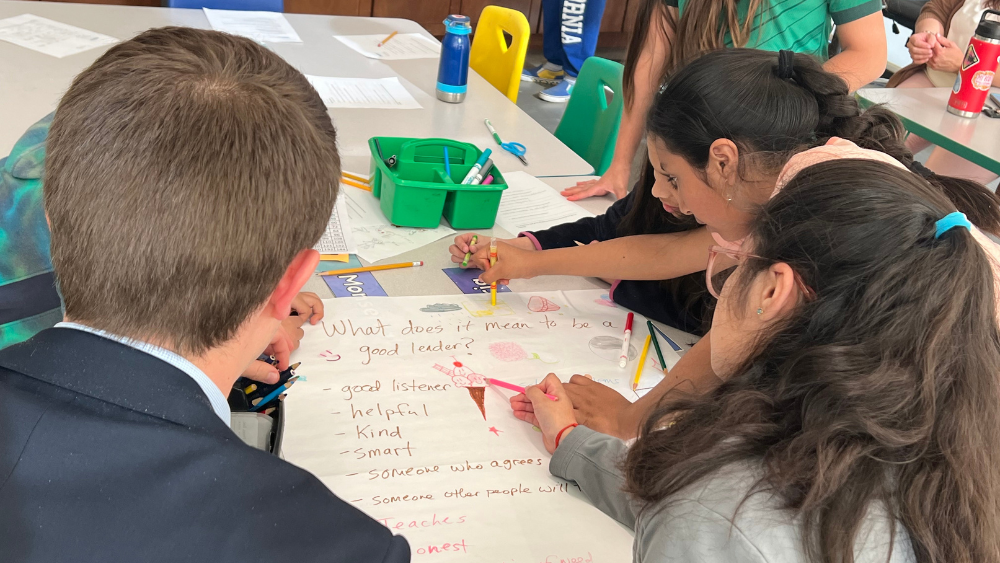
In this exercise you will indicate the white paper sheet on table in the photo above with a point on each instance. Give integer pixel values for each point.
(382, 418)
(403, 46)
(50, 37)
(529, 204)
(264, 27)
(375, 238)
(337, 239)
(363, 93)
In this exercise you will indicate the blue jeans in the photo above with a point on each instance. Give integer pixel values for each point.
(569, 32)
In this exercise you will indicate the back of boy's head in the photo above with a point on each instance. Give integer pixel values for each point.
(185, 170)
(737, 94)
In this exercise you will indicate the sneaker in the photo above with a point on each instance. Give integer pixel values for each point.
(559, 93)
(542, 74)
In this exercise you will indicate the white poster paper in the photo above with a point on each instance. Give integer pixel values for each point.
(50, 37)
(263, 27)
(390, 415)
(363, 93)
(529, 204)
(402, 46)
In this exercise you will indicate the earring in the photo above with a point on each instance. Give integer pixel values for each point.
(760, 310)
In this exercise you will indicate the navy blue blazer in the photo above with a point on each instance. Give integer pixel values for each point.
(110, 454)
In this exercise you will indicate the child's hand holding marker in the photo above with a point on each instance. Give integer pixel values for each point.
(511, 263)
(481, 249)
(554, 418)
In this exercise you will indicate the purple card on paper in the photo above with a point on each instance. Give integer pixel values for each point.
(467, 279)
(362, 284)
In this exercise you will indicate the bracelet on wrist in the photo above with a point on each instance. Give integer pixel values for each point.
(563, 431)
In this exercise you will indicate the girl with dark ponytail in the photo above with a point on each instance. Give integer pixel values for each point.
(860, 417)
(725, 134)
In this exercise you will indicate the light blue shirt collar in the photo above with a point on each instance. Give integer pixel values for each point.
(215, 396)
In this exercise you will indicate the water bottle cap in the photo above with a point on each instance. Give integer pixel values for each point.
(458, 24)
(990, 29)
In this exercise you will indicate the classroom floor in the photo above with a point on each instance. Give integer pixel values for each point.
(546, 113)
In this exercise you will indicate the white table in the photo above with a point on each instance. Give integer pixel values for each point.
(923, 112)
(32, 83)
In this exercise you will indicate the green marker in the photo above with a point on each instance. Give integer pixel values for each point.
(465, 263)
(493, 131)
(656, 345)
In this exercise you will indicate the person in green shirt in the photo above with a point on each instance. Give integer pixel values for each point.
(678, 31)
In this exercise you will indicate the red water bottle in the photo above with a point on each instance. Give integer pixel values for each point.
(980, 64)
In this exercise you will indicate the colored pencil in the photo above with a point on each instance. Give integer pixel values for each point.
(656, 345)
(674, 345)
(356, 178)
(642, 362)
(270, 396)
(493, 260)
(447, 163)
(386, 40)
(358, 185)
(513, 387)
(250, 388)
(371, 268)
(465, 263)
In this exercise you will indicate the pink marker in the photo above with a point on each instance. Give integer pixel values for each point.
(488, 180)
(513, 387)
(623, 359)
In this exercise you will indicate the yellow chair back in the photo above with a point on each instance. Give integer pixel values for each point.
(499, 64)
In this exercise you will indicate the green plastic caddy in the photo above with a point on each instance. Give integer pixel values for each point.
(416, 191)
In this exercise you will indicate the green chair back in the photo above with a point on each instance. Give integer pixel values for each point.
(590, 124)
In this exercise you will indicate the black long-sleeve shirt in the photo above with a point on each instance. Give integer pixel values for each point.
(664, 302)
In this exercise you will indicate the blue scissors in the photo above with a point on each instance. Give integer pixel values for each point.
(516, 149)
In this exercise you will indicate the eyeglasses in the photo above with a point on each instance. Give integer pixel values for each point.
(715, 280)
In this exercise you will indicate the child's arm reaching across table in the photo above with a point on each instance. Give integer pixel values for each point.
(579, 454)
(603, 409)
(639, 257)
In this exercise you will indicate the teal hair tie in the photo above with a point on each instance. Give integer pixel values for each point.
(950, 221)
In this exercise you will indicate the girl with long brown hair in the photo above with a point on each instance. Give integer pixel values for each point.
(859, 420)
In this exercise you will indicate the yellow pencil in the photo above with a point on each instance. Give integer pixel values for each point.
(386, 40)
(359, 185)
(355, 177)
(642, 361)
(370, 268)
(493, 260)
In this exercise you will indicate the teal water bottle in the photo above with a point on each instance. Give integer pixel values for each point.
(453, 68)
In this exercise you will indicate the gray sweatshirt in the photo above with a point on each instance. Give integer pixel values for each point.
(701, 524)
